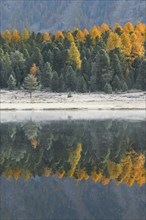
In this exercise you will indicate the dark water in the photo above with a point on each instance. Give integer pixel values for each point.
(73, 170)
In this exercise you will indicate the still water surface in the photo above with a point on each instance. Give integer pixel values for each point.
(73, 169)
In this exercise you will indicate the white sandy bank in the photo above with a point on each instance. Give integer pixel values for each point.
(20, 100)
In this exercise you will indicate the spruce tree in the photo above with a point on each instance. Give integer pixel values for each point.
(81, 85)
(107, 88)
(46, 75)
(124, 87)
(12, 82)
(116, 83)
(30, 83)
(55, 82)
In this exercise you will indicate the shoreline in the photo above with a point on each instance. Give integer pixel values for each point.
(20, 100)
(63, 115)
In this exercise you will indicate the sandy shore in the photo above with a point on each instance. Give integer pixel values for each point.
(20, 100)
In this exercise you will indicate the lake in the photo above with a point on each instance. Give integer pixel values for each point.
(73, 169)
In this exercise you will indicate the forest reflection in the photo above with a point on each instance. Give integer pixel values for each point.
(103, 151)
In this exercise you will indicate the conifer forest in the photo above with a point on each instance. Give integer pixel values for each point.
(100, 59)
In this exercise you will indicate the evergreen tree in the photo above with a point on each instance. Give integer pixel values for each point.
(108, 88)
(30, 83)
(61, 84)
(55, 82)
(46, 75)
(116, 83)
(12, 82)
(81, 85)
(117, 66)
(141, 79)
(70, 79)
(124, 87)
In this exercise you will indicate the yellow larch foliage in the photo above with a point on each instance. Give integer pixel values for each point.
(105, 181)
(114, 170)
(33, 69)
(80, 36)
(47, 172)
(128, 27)
(16, 173)
(15, 35)
(137, 45)
(96, 176)
(74, 55)
(129, 181)
(86, 176)
(140, 37)
(59, 34)
(74, 159)
(8, 173)
(34, 143)
(126, 167)
(126, 45)
(82, 174)
(85, 32)
(114, 41)
(133, 169)
(46, 36)
(95, 32)
(104, 27)
(138, 165)
(25, 34)
(60, 174)
(142, 179)
(7, 35)
(140, 27)
(27, 174)
(70, 37)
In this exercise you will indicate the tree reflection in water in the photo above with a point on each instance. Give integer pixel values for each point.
(98, 150)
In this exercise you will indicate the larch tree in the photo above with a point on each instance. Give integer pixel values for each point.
(95, 32)
(128, 27)
(104, 27)
(70, 37)
(33, 69)
(126, 44)
(7, 35)
(80, 36)
(15, 35)
(74, 55)
(140, 27)
(46, 36)
(25, 34)
(85, 32)
(137, 46)
(59, 34)
(114, 41)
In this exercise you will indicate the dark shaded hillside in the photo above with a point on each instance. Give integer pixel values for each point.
(54, 15)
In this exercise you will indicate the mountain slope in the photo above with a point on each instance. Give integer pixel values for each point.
(61, 15)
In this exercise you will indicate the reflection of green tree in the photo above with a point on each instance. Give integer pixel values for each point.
(31, 130)
(59, 152)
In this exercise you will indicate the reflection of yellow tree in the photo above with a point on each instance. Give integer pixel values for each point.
(34, 142)
(114, 169)
(82, 174)
(75, 158)
(96, 176)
